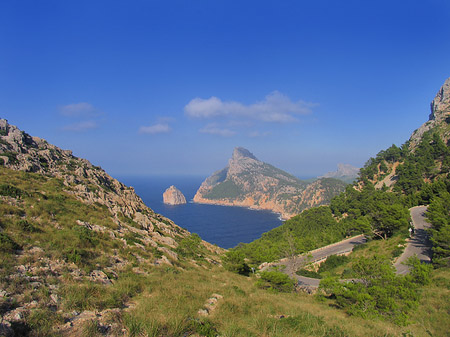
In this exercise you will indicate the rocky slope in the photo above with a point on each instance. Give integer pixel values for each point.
(67, 227)
(248, 182)
(173, 196)
(439, 118)
(422, 159)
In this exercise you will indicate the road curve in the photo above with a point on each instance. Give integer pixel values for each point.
(419, 244)
(293, 264)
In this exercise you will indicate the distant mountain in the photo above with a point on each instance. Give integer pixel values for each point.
(247, 181)
(345, 172)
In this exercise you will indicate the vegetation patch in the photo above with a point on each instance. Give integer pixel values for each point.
(377, 291)
(275, 281)
(225, 190)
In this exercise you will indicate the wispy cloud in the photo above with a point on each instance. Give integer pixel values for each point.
(155, 128)
(213, 129)
(258, 134)
(81, 126)
(77, 109)
(276, 107)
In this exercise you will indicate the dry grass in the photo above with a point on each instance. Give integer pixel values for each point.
(172, 298)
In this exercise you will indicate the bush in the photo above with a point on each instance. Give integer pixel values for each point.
(234, 261)
(332, 262)
(308, 273)
(26, 226)
(276, 281)
(11, 191)
(188, 246)
(377, 290)
(7, 244)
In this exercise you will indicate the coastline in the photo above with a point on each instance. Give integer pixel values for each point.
(281, 216)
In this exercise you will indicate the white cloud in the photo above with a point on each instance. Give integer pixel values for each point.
(77, 109)
(156, 128)
(276, 107)
(81, 126)
(213, 129)
(256, 134)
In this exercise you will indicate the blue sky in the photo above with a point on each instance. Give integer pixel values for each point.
(171, 87)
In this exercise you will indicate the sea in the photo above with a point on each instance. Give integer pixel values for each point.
(225, 226)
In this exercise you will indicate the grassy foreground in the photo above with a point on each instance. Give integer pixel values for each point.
(171, 299)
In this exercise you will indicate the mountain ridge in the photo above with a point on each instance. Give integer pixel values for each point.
(249, 182)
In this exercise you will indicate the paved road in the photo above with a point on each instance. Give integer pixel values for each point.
(293, 264)
(419, 244)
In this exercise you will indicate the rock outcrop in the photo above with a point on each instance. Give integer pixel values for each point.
(173, 196)
(249, 182)
(439, 118)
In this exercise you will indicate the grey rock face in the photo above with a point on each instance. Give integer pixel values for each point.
(440, 115)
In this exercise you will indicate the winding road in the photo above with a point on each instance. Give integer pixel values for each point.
(291, 265)
(418, 245)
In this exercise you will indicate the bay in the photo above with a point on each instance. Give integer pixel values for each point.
(225, 226)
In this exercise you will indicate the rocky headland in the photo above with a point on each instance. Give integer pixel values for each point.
(249, 182)
(173, 196)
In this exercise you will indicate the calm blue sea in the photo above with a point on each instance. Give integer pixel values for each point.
(221, 225)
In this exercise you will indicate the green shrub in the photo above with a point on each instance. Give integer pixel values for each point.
(234, 261)
(377, 291)
(308, 273)
(188, 246)
(7, 244)
(12, 157)
(332, 262)
(11, 191)
(276, 281)
(25, 226)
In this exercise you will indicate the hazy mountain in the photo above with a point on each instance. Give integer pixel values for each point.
(345, 172)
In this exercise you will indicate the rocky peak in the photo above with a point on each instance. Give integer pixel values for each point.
(440, 106)
(240, 153)
(248, 182)
(440, 115)
(173, 196)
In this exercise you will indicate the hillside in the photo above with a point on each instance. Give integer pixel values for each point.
(249, 182)
(422, 159)
(73, 238)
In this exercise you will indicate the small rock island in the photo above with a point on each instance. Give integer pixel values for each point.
(173, 196)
